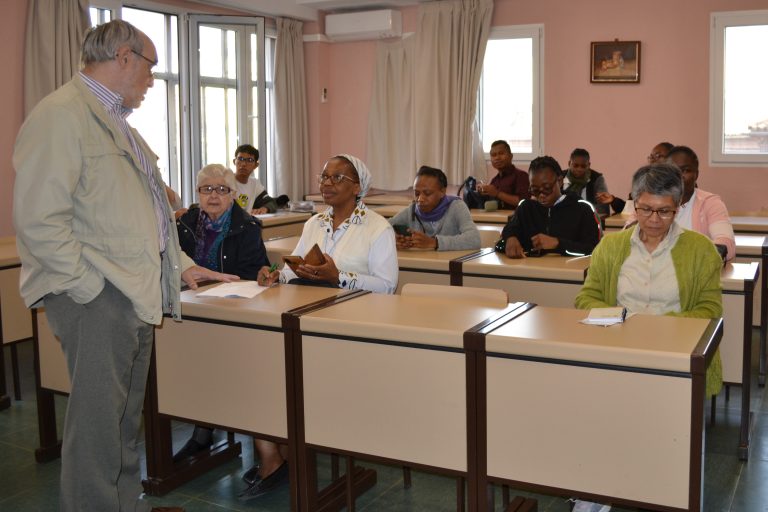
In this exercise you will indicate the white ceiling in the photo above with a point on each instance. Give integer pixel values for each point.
(306, 9)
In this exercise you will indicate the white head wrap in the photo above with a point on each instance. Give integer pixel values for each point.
(362, 172)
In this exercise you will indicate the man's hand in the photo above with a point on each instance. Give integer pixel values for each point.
(419, 240)
(197, 273)
(259, 211)
(544, 242)
(604, 198)
(514, 249)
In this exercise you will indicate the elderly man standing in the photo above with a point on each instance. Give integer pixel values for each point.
(99, 250)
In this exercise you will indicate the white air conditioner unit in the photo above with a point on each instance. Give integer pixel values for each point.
(357, 26)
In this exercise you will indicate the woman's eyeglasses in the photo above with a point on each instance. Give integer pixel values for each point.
(221, 190)
(663, 213)
(545, 190)
(334, 178)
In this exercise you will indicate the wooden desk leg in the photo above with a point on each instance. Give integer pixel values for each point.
(746, 380)
(763, 320)
(5, 400)
(50, 445)
(162, 474)
(15, 372)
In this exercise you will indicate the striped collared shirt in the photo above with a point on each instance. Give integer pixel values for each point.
(113, 103)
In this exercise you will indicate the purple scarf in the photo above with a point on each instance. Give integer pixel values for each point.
(438, 212)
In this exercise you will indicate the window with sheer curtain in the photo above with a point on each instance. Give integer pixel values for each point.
(739, 88)
(509, 97)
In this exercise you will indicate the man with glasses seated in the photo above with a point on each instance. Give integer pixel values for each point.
(251, 195)
(550, 221)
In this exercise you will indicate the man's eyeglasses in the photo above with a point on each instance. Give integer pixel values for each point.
(248, 159)
(152, 63)
(545, 190)
(645, 212)
(221, 190)
(334, 178)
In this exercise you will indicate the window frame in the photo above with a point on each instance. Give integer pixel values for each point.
(535, 32)
(719, 22)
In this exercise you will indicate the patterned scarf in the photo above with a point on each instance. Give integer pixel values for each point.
(208, 236)
(576, 185)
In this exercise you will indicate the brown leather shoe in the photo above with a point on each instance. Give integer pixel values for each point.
(167, 509)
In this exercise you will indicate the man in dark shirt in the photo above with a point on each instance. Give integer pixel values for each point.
(550, 221)
(510, 185)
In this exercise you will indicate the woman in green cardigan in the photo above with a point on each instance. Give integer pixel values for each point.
(657, 267)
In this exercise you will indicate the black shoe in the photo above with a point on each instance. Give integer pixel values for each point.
(191, 448)
(276, 479)
(252, 475)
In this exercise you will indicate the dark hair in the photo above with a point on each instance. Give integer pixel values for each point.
(425, 170)
(579, 152)
(544, 162)
(684, 150)
(501, 143)
(248, 149)
(658, 180)
(666, 145)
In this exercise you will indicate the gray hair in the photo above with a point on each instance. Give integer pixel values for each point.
(218, 171)
(658, 180)
(102, 42)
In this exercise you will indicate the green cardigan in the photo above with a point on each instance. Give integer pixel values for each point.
(697, 267)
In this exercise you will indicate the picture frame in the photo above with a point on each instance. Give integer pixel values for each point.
(614, 62)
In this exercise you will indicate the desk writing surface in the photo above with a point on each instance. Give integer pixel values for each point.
(494, 217)
(279, 247)
(276, 219)
(264, 309)
(749, 223)
(750, 245)
(550, 266)
(387, 210)
(643, 341)
(427, 259)
(428, 321)
(372, 199)
(9, 256)
(734, 276)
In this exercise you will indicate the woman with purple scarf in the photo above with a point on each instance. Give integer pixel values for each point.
(435, 221)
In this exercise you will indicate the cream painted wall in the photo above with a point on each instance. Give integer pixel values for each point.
(618, 124)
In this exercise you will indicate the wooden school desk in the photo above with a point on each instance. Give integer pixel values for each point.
(279, 247)
(577, 410)
(430, 267)
(15, 318)
(550, 280)
(375, 199)
(392, 387)
(755, 248)
(738, 281)
(282, 223)
(750, 224)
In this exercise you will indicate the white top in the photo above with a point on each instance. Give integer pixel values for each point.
(363, 249)
(647, 281)
(684, 216)
(248, 192)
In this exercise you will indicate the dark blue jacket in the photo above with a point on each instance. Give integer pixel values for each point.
(242, 251)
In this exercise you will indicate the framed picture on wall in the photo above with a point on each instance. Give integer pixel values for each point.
(615, 62)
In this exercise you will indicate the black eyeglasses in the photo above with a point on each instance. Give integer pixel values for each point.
(248, 159)
(663, 213)
(221, 190)
(545, 190)
(152, 63)
(334, 178)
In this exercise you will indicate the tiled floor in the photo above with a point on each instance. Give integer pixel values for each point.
(730, 485)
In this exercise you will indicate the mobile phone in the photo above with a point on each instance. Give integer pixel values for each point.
(402, 229)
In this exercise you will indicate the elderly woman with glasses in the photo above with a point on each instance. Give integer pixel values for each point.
(358, 244)
(220, 236)
(656, 267)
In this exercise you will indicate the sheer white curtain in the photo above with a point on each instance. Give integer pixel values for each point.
(292, 139)
(55, 32)
(446, 63)
(390, 152)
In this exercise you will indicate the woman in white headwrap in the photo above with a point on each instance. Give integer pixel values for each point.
(358, 243)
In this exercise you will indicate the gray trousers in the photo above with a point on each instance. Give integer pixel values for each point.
(107, 348)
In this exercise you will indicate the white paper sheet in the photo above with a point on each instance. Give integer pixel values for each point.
(242, 289)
